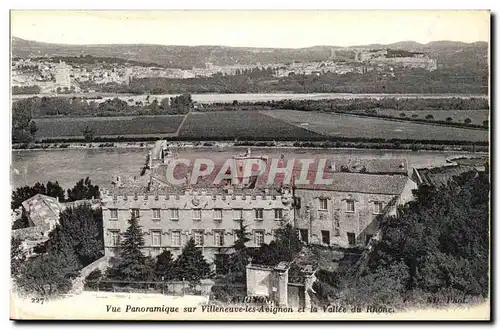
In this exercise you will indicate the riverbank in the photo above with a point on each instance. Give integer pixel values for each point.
(230, 97)
(218, 145)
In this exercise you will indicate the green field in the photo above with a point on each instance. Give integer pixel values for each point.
(255, 125)
(476, 116)
(364, 127)
(107, 126)
(241, 124)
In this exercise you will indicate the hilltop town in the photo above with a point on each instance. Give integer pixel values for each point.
(86, 73)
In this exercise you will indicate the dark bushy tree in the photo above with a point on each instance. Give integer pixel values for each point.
(130, 264)
(165, 266)
(285, 247)
(238, 260)
(83, 189)
(55, 190)
(191, 264)
(436, 243)
(84, 227)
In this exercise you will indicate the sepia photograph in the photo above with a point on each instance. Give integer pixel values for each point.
(250, 165)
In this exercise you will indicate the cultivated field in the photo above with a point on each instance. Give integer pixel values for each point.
(458, 116)
(242, 125)
(362, 127)
(107, 126)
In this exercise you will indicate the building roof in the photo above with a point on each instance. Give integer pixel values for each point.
(374, 165)
(438, 176)
(42, 209)
(478, 162)
(374, 179)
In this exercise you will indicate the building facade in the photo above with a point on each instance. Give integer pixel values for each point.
(343, 213)
(208, 216)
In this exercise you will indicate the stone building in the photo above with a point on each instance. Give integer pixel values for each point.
(340, 213)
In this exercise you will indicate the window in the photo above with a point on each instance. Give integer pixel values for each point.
(197, 214)
(218, 214)
(304, 235)
(325, 237)
(259, 214)
(115, 237)
(176, 238)
(219, 237)
(278, 214)
(174, 214)
(258, 237)
(134, 213)
(378, 207)
(156, 237)
(349, 205)
(323, 204)
(113, 214)
(238, 214)
(156, 214)
(198, 237)
(351, 238)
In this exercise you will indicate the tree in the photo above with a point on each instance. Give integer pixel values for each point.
(285, 247)
(88, 133)
(32, 128)
(429, 117)
(91, 281)
(238, 260)
(165, 266)
(17, 257)
(83, 189)
(50, 273)
(83, 226)
(486, 123)
(442, 237)
(288, 242)
(130, 264)
(191, 264)
(449, 119)
(53, 189)
(467, 121)
(402, 114)
(414, 115)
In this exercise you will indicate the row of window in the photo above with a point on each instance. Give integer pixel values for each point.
(217, 214)
(350, 206)
(198, 235)
(325, 237)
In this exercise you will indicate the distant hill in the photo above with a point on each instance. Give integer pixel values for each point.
(450, 54)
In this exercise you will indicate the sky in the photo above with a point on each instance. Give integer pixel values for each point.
(280, 29)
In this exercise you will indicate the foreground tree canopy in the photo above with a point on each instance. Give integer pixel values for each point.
(437, 246)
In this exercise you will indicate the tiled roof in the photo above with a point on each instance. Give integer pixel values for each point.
(439, 176)
(353, 180)
(42, 209)
(470, 161)
(374, 165)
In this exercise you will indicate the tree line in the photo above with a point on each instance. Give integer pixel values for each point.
(419, 81)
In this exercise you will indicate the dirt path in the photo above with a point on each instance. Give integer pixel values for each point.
(182, 123)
